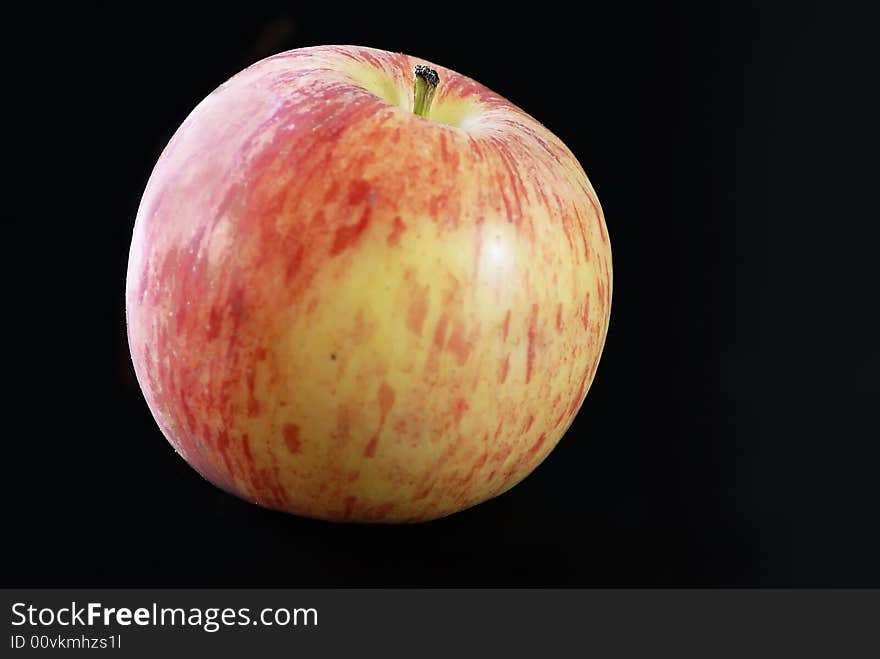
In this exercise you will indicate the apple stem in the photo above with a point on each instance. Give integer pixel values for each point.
(424, 86)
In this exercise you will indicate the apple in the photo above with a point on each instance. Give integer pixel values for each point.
(363, 287)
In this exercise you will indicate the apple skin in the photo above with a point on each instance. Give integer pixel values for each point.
(342, 310)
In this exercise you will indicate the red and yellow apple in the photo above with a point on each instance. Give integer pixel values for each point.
(343, 309)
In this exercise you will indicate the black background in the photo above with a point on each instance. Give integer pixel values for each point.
(730, 436)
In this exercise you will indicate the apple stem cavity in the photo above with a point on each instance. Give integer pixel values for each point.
(424, 86)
